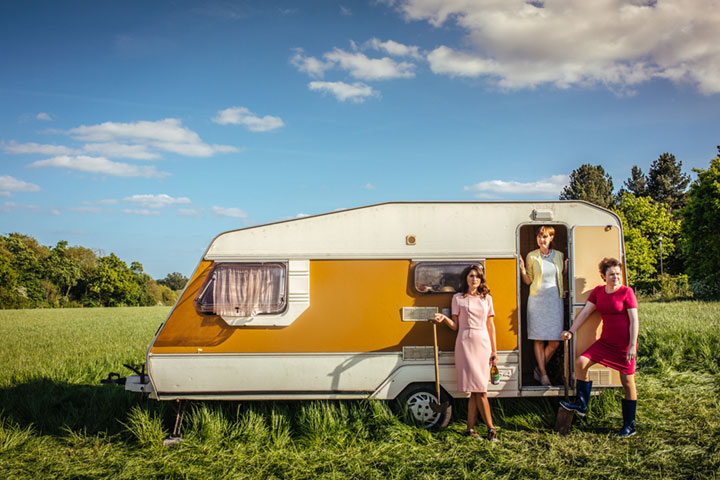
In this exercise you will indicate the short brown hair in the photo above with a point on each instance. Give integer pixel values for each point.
(543, 229)
(609, 262)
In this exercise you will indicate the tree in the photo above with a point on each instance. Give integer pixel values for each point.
(666, 182)
(636, 184)
(174, 281)
(61, 269)
(701, 226)
(645, 221)
(590, 183)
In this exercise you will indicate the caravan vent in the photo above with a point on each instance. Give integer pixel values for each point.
(542, 215)
(418, 353)
(600, 377)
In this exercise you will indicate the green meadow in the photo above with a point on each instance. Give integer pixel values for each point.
(57, 421)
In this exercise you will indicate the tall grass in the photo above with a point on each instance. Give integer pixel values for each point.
(56, 421)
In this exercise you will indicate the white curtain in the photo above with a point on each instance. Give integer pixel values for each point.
(245, 290)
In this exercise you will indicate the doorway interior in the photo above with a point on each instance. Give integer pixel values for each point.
(526, 243)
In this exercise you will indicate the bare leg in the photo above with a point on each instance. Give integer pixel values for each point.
(550, 348)
(539, 346)
(472, 412)
(484, 407)
(582, 364)
(628, 383)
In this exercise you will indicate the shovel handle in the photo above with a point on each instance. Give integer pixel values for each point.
(437, 369)
(566, 368)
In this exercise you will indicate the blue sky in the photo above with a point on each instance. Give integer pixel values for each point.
(147, 128)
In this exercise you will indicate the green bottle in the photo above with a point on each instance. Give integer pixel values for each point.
(494, 375)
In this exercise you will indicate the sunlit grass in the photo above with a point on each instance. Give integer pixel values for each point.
(56, 421)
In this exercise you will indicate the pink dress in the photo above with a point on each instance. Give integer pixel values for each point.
(611, 349)
(472, 345)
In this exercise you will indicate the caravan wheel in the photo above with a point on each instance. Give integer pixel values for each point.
(416, 399)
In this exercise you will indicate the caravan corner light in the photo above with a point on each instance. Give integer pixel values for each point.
(543, 215)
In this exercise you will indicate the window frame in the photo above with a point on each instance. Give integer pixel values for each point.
(417, 264)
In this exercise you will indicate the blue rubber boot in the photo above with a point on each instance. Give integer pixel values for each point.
(628, 409)
(580, 405)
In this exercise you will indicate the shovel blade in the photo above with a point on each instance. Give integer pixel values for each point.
(439, 408)
(563, 421)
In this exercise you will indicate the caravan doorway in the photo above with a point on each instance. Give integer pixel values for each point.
(526, 243)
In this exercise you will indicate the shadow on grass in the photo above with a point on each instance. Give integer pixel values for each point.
(53, 407)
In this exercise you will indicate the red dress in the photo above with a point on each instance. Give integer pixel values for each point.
(611, 349)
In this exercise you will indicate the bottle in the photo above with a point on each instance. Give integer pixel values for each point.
(494, 375)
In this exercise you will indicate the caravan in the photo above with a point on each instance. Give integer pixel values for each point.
(334, 306)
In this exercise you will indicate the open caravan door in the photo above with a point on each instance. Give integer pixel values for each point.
(590, 244)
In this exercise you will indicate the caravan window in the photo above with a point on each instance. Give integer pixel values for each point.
(440, 277)
(244, 289)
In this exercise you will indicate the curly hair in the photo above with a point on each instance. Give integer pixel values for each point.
(609, 262)
(464, 287)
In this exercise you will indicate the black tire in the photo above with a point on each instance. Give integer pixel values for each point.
(414, 401)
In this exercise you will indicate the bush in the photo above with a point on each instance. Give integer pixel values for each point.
(705, 290)
(665, 287)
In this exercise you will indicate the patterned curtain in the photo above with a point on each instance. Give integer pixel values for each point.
(242, 290)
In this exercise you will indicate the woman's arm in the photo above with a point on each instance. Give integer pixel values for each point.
(579, 320)
(493, 342)
(634, 328)
(451, 322)
(523, 272)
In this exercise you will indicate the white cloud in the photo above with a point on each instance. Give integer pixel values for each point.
(619, 43)
(143, 212)
(356, 92)
(107, 201)
(167, 134)
(310, 65)
(30, 148)
(99, 165)
(546, 187)
(368, 186)
(345, 11)
(43, 116)
(86, 210)
(229, 212)
(189, 212)
(11, 184)
(10, 206)
(394, 48)
(156, 201)
(243, 116)
(360, 66)
(120, 150)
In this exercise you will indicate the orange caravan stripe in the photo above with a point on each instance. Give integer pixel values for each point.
(355, 306)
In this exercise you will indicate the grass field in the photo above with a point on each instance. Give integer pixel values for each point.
(57, 421)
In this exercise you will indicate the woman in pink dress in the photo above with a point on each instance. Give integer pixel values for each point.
(475, 347)
(617, 346)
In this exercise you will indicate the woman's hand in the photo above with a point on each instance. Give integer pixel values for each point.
(522, 265)
(493, 358)
(631, 353)
(439, 318)
(566, 334)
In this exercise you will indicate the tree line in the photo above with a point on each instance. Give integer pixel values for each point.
(34, 275)
(671, 224)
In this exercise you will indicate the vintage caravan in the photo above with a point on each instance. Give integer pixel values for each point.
(334, 306)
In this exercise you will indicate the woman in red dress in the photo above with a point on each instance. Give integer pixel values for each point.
(617, 346)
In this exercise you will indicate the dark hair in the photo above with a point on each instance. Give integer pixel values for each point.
(464, 287)
(609, 262)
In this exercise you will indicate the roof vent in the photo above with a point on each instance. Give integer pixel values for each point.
(542, 215)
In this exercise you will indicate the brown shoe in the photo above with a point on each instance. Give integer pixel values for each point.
(471, 433)
(492, 435)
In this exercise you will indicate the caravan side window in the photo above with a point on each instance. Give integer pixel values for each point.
(244, 289)
(440, 277)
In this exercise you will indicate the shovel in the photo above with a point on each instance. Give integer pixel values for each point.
(434, 405)
(564, 418)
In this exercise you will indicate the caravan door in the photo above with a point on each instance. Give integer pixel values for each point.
(590, 244)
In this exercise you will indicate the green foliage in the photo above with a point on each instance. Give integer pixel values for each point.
(174, 281)
(32, 275)
(666, 182)
(590, 183)
(701, 228)
(636, 184)
(644, 222)
(664, 287)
